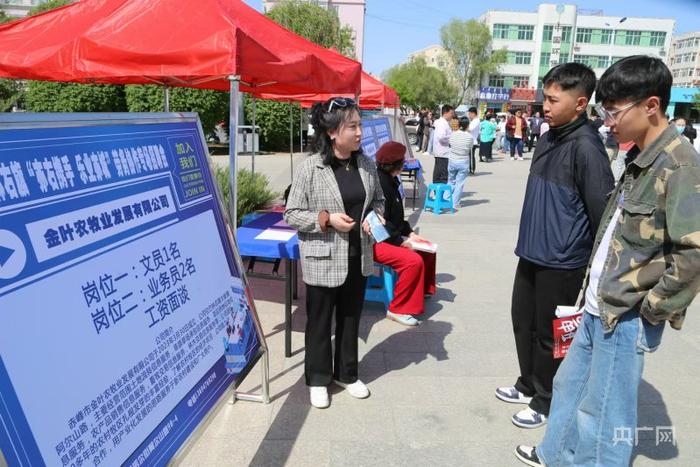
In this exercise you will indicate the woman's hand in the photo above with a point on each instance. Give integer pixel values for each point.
(341, 222)
(366, 227)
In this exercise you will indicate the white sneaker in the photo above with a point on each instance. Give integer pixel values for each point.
(520, 159)
(406, 320)
(528, 418)
(356, 389)
(512, 158)
(319, 397)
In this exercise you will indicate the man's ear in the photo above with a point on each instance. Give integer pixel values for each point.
(581, 104)
(653, 106)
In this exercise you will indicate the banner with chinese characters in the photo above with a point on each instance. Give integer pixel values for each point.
(375, 132)
(124, 314)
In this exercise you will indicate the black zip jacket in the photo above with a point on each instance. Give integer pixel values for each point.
(570, 180)
(396, 225)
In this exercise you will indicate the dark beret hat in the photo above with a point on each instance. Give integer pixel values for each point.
(390, 152)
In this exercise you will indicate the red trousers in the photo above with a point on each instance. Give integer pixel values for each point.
(416, 270)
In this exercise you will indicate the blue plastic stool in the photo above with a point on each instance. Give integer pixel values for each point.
(438, 197)
(381, 288)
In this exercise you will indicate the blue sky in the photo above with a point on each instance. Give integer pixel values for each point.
(395, 28)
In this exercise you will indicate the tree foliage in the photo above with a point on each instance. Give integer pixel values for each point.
(318, 25)
(420, 85)
(468, 44)
(315, 23)
(47, 96)
(212, 106)
(11, 94)
(50, 5)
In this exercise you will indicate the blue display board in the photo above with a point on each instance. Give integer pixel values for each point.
(375, 132)
(124, 314)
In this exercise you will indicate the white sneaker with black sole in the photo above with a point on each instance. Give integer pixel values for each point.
(512, 395)
(528, 418)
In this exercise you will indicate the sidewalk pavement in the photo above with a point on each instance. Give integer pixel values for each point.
(432, 399)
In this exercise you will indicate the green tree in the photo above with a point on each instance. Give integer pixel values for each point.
(48, 96)
(50, 5)
(420, 85)
(468, 44)
(318, 25)
(212, 106)
(696, 102)
(315, 23)
(273, 119)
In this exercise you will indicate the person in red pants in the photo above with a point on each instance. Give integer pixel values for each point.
(416, 269)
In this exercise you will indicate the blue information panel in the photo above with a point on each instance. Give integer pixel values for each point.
(375, 132)
(124, 315)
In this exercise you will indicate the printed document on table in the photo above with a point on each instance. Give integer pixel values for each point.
(277, 235)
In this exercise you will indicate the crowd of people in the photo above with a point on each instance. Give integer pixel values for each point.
(624, 249)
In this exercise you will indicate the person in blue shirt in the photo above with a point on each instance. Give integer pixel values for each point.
(487, 135)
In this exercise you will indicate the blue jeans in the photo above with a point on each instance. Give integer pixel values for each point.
(593, 417)
(456, 175)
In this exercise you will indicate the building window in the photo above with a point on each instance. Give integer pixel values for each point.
(545, 57)
(583, 35)
(633, 37)
(520, 58)
(602, 62)
(521, 81)
(497, 81)
(500, 31)
(525, 32)
(566, 34)
(606, 36)
(547, 33)
(658, 38)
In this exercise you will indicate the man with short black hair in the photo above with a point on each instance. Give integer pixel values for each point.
(441, 144)
(565, 197)
(645, 272)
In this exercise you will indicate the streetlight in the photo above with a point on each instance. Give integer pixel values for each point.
(612, 40)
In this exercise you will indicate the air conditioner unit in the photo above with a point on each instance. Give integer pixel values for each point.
(662, 53)
(577, 48)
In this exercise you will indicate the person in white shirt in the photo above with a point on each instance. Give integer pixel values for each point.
(441, 144)
(461, 143)
(474, 128)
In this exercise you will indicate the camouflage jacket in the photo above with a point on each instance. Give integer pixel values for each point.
(653, 263)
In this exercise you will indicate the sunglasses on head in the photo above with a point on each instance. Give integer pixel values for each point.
(341, 102)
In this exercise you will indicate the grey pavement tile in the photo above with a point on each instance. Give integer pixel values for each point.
(291, 453)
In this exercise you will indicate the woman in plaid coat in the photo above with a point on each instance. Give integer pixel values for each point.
(332, 192)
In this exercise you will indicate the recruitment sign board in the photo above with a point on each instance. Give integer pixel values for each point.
(375, 132)
(124, 314)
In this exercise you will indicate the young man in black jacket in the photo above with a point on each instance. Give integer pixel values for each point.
(566, 194)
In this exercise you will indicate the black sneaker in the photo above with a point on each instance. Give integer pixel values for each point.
(528, 455)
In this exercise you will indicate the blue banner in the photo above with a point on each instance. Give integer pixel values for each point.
(494, 94)
(375, 132)
(124, 315)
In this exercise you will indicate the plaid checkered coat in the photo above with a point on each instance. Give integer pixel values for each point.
(324, 255)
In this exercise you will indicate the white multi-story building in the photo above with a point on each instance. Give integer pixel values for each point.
(18, 8)
(434, 55)
(538, 40)
(684, 60)
(350, 13)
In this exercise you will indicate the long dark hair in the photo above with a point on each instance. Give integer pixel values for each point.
(324, 121)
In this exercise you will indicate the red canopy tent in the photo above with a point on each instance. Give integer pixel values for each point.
(213, 44)
(373, 95)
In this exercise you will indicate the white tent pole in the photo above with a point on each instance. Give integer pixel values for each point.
(233, 148)
(166, 98)
(252, 161)
(291, 142)
(301, 128)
